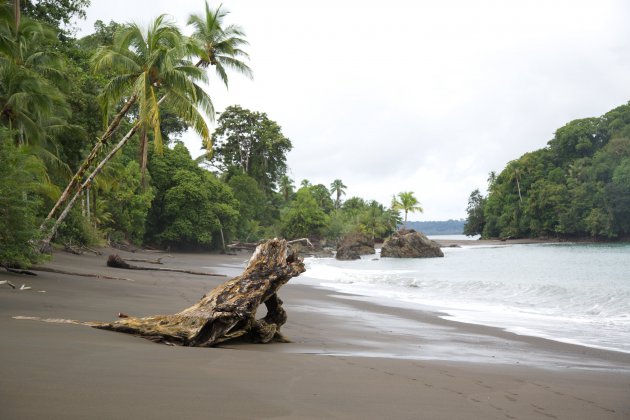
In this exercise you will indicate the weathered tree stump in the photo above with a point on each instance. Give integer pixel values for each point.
(229, 310)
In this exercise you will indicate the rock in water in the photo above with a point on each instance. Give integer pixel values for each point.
(410, 244)
(353, 245)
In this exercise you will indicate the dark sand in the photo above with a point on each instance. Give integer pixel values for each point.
(349, 358)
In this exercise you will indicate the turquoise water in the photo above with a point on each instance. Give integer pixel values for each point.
(573, 293)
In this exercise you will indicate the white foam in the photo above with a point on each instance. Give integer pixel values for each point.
(572, 294)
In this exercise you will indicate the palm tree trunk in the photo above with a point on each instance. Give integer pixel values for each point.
(144, 155)
(45, 246)
(17, 15)
(89, 160)
(87, 202)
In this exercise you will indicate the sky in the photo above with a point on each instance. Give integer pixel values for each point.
(421, 96)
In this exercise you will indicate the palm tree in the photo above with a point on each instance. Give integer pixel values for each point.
(517, 178)
(286, 187)
(150, 62)
(214, 45)
(31, 104)
(218, 46)
(407, 202)
(337, 187)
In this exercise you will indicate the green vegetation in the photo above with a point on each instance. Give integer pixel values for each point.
(407, 202)
(89, 145)
(578, 186)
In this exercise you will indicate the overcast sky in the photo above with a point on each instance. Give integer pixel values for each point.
(422, 96)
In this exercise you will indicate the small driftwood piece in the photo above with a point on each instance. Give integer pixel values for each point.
(72, 273)
(7, 282)
(305, 240)
(248, 246)
(229, 310)
(155, 261)
(116, 261)
(78, 249)
(68, 247)
(18, 271)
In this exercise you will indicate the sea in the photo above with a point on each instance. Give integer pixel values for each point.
(574, 293)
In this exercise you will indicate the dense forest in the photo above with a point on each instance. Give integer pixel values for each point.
(576, 187)
(90, 146)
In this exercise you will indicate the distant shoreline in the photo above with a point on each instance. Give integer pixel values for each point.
(486, 242)
(524, 241)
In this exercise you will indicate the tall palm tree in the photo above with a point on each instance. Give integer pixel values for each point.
(407, 202)
(150, 63)
(337, 187)
(286, 187)
(217, 45)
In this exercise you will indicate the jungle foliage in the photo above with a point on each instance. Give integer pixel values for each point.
(111, 109)
(576, 187)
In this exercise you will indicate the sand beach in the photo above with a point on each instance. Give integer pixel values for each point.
(348, 358)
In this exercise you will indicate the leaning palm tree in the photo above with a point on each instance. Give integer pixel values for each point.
(337, 187)
(407, 202)
(149, 64)
(214, 45)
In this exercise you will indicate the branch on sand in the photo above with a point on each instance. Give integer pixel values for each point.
(79, 249)
(250, 246)
(155, 261)
(115, 261)
(72, 273)
(7, 282)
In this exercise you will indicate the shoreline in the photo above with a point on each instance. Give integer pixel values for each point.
(445, 243)
(465, 371)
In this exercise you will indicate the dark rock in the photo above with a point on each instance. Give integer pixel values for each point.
(353, 245)
(410, 244)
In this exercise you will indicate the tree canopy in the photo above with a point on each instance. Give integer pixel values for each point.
(250, 143)
(577, 186)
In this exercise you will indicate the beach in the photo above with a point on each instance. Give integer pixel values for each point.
(349, 358)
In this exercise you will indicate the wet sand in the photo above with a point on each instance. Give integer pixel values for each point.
(349, 358)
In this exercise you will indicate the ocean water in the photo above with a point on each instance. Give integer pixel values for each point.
(576, 293)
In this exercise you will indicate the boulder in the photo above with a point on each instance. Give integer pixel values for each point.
(353, 245)
(407, 243)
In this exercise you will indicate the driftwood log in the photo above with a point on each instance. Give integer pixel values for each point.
(116, 261)
(229, 310)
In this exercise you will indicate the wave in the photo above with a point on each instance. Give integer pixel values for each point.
(558, 297)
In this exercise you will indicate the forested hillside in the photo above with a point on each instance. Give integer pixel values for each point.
(578, 186)
(441, 227)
